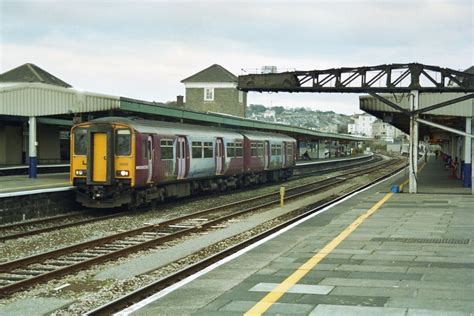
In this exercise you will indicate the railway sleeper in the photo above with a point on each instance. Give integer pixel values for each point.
(100, 252)
(83, 257)
(117, 247)
(13, 277)
(61, 263)
(29, 272)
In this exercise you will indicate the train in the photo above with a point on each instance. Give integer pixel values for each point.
(117, 161)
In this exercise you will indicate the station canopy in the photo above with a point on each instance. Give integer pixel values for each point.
(30, 91)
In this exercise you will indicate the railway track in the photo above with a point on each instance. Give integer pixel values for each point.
(138, 295)
(43, 225)
(39, 226)
(21, 273)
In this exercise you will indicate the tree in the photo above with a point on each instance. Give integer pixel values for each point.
(257, 108)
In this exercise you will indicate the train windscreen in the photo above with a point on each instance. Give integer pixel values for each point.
(123, 142)
(80, 141)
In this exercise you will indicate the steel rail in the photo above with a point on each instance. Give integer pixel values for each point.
(33, 232)
(24, 262)
(159, 285)
(61, 226)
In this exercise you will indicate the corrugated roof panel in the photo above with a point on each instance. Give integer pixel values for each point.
(35, 99)
(464, 108)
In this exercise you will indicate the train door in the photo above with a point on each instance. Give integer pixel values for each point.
(149, 157)
(181, 157)
(219, 156)
(99, 161)
(266, 149)
(283, 154)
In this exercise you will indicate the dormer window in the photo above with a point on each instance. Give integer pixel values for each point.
(208, 94)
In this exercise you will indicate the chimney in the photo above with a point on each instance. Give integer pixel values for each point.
(180, 101)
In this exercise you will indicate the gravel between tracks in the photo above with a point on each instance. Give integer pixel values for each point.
(88, 292)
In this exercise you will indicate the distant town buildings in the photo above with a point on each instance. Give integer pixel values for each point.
(385, 131)
(214, 89)
(362, 125)
(270, 115)
(368, 125)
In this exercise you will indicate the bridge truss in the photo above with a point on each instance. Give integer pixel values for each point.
(412, 78)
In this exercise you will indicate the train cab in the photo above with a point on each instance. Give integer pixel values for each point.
(102, 160)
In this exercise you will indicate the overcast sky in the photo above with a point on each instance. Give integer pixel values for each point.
(142, 49)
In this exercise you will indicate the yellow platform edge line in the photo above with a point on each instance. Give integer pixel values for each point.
(268, 300)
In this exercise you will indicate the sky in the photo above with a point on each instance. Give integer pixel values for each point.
(143, 49)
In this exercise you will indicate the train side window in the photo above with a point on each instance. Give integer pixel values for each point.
(289, 150)
(144, 149)
(149, 149)
(80, 141)
(253, 150)
(239, 150)
(197, 150)
(260, 150)
(208, 150)
(230, 150)
(166, 149)
(278, 150)
(123, 140)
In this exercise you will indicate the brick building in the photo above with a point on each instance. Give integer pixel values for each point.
(214, 89)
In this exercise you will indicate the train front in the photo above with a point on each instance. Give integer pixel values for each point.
(102, 163)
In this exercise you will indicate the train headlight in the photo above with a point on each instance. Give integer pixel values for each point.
(81, 172)
(122, 173)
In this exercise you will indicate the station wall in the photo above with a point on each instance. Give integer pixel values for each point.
(14, 144)
(48, 144)
(11, 143)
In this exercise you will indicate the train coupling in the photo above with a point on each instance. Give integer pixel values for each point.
(97, 192)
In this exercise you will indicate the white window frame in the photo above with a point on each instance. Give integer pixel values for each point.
(206, 97)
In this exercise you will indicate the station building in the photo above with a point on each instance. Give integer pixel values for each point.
(214, 89)
(38, 109)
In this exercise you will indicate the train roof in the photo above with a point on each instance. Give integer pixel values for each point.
(151, 126)
(262, 136)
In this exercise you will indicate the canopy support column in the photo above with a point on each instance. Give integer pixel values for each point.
(413, 156)
(32, 172)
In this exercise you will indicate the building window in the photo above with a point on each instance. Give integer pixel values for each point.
(208, 94)
(241, 96)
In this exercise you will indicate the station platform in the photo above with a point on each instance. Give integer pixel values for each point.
(11, 170)
(329, 160)
(375, 253)
(23, 185)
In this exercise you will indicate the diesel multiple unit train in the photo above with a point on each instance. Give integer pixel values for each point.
(117, 161)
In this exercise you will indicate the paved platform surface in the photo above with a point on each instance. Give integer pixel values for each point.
(414, 255)
(14, 184)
